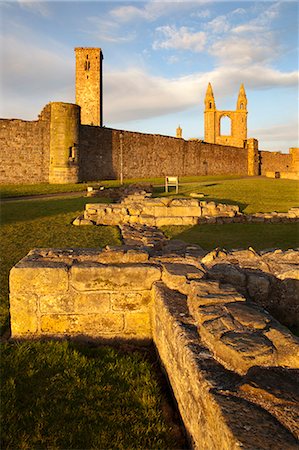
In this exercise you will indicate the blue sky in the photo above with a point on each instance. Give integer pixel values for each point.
(158, 59)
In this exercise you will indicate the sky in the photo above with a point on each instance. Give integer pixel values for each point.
(159, 57)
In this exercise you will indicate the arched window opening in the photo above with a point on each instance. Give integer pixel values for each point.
(225, 126)
(87, 65)
(241, 106)
(210, 104)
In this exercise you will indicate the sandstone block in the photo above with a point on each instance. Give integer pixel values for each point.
(292, 273)
(138, 323)
(175, 276)
(135, 211)
(228, 273)
(147, 220)
(134, 219)
(23, 314)
(139, 301)
(38, 277)
(161, 211)
(75, 302)
(95, 325)
(185, 202)
(164, 221)
(248, 316)
(183, 211)
(258, 287)
(286, 343)
(149, 210)
(124, 277)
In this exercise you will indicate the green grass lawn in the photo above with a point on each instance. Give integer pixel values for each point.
(56, 395)
(20, 190)
(251, 194)
(59, 395)
(237, 235)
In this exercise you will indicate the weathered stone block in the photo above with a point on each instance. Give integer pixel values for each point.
(84, 324)
(164, 221)
(124, 277)
(139, 301)
(23, 314)
(183, 211)
(138, 323)
(258, 287)
(39, 277)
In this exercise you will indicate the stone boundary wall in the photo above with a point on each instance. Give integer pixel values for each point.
(140, 208)
(275, 162)
(230, 364)
(25, 151)
(152, 155)
(284, 175)
(103, 153)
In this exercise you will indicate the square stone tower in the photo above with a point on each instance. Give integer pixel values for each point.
(89, 92)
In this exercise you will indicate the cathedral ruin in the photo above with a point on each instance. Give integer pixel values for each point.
(69, 144)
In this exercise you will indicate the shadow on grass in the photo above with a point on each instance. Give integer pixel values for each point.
(36, 209)
(80, 398)
(260, 236)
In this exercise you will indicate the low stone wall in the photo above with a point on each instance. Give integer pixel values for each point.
(221, 409)
(232, 367)
(140, 208)
(82, 292)
(269, 278)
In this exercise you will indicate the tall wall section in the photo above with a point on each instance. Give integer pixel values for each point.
(275, 162)
(25, 150)
(104, 151)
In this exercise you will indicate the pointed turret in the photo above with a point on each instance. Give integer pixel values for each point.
(179, 132)
(209, 99)
(242, 99)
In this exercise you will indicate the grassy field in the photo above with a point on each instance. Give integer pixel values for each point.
(21, 190)
(235, 235)
(251, 194)
(58, 395)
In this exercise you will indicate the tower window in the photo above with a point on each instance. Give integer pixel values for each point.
(241, 106)
(87, 65)
(225, 126)
(210, 105)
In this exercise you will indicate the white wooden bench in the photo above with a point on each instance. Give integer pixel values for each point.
(172, 181)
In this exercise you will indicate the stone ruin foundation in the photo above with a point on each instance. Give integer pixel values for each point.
(233, 367)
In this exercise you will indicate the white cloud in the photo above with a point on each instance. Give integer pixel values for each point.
(135, 94)
(152, 10)
(202, 14)
(38, 7)
(278, 137)
(244, 51)
(261, 23)
(182, 39)
(218, 25)
(106, 30)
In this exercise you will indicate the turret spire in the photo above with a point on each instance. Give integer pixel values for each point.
(242, 99)
(209, 99)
